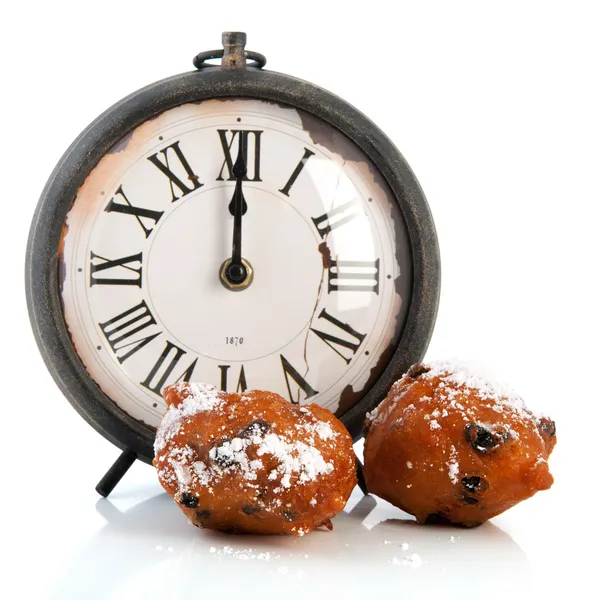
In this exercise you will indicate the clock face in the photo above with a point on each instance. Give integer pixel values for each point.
(143, 245)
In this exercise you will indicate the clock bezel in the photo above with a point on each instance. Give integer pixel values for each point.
(41, 269)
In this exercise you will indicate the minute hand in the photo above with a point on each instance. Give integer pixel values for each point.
(238, 202)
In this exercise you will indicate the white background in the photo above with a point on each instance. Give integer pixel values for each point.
(496, 106)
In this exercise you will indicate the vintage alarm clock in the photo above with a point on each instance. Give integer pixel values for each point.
(235, 226)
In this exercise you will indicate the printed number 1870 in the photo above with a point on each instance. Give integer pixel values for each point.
(234, 341)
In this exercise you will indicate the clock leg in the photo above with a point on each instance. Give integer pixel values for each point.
(361, 478)
(116, 472)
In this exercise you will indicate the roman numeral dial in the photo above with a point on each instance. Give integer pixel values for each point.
(353, 276)
(144, 216)
(299, 167)
(162, 370)
(132, 330)
(241, 385)
(250, 141)
(337, 217)
(121, 331)
(182, 179)
(347, 345)
(119, 271)
(292, 376)
(156, 226)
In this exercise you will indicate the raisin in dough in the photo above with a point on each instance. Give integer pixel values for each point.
(253, 462)
(447, 445)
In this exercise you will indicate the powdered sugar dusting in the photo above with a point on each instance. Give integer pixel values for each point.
(453, 466)
(455, 379)
(297, 461)
(291, 458)
(324, 430)
(473, 376)
(201, 398)
(244, 554)
(295, 458)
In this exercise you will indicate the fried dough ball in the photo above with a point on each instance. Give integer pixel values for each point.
(252, 463)
(447, 445)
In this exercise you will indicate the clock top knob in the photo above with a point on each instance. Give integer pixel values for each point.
(234, 55)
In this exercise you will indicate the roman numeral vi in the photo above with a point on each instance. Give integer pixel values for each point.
(241, 387)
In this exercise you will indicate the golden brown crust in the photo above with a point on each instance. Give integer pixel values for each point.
(446, 446)
(253, 462)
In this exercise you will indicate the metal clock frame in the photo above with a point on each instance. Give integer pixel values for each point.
(234, 77)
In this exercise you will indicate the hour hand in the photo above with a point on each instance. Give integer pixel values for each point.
(239, 171)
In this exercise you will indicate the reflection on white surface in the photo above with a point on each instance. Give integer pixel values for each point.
(150, 551)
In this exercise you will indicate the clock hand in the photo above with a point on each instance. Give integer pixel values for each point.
(236, 272)
(240, 168)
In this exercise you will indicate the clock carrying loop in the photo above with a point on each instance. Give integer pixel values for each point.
(233, 54)
(257, 60)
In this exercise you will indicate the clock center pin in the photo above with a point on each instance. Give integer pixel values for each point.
(236, 277)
